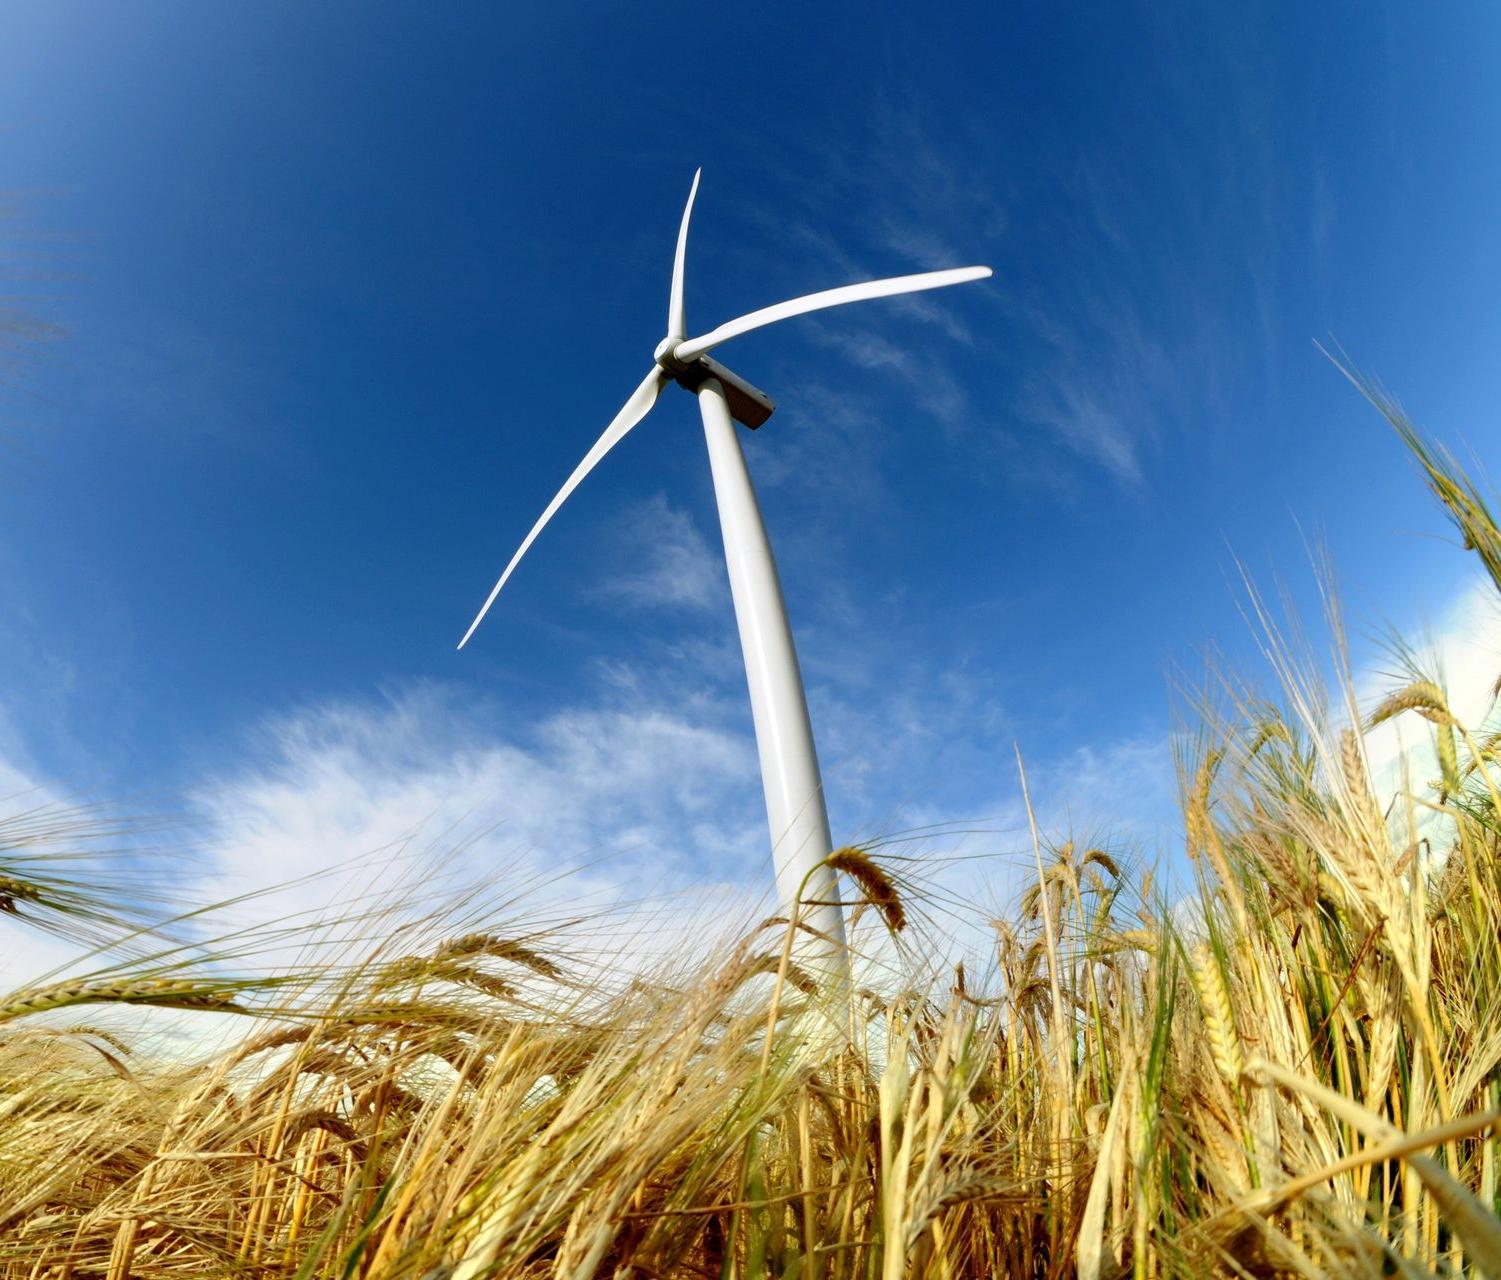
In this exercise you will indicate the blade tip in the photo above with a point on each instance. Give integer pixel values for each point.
(473, 627)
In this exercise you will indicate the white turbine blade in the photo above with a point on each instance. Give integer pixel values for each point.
(677, 325)
(695, 347)
(636, 408)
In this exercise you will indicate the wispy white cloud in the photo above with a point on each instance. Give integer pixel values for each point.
(639, 796)
(930, 385)
(890, 197)
(1462, 650)
(661, 559)
(1117, 791)
(633, 795)
(1089, 423)
(593, 808)
(63, 836)
(25, 951)
(642, 807)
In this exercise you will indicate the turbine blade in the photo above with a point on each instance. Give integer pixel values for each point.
(695, 347)
(636, 408)
(677, 325)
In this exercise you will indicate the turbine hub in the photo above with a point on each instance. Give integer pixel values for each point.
(665, 357)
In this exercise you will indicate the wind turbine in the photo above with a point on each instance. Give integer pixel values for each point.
(795, 808)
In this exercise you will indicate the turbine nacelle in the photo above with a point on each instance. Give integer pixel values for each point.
(748, 405)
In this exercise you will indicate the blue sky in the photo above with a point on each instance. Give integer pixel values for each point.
(348, 289)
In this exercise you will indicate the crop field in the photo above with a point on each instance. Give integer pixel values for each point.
(1286, 1064)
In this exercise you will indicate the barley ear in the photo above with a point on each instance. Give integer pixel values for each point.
(874, 883)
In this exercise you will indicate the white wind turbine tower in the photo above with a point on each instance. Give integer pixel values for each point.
(795, 807)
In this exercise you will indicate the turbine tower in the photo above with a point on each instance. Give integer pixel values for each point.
(795, 809)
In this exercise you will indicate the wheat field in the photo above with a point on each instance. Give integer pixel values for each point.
(1286, 1067)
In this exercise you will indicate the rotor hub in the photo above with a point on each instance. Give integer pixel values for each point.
(666, 357)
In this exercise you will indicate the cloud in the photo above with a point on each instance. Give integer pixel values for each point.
(1098, 360)
(644, 818)
(412, 800)
(642, 809)
(638, 798)
(25, 951)
(891, 197)
(663, 560)
(931, 386)
(1463, 652)
(1121, 790)
(1085, 420)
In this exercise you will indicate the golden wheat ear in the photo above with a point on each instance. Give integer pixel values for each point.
(485, 944)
